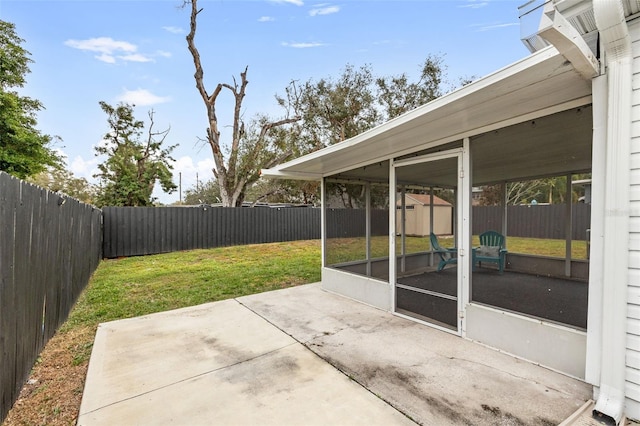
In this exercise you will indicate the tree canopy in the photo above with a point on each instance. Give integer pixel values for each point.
(133, 166)
(336, 109)
(24, 150)
(62, 180)
(551, 190)
(207, 192)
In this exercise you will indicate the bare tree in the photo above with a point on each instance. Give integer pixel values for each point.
(250, 151)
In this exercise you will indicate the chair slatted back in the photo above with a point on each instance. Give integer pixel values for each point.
(492, 238)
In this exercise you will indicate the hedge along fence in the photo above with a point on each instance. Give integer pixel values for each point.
(49, 247)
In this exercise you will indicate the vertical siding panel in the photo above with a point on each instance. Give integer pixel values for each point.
(633, 310)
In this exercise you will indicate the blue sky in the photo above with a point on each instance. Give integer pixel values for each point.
(87, 51)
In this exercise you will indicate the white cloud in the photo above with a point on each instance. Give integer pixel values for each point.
(303, 45)
(163, 54)
(294, 2)
(102, 44)
(473, 4)
(174, 30)
(497, 26)
(266, 19)
(136, 57)
(84, 168)
(109, 49)
(325, 10)
(141, 97)
(106, 58)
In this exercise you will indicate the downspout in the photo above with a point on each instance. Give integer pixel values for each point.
(614, 35)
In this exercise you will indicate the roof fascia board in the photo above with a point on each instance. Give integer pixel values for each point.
(455, 152)
(276, 173)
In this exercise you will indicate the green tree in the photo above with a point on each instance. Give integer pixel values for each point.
(133, 166)
(334, 110)
(398, 94)
(62, 180)
(203, 193)
(550, 190)
(24, 150)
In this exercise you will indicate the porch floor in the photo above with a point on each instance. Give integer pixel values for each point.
(554, 299)
(306, 356)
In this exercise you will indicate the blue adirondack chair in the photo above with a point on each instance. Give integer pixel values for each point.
(447, 255)
(492, 249)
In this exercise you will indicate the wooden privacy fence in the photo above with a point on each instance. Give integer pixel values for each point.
(541, 221)
(352, 223)
(135, 231)
(49, 247)
(546, 221)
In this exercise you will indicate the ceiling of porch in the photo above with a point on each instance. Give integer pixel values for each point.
(548, 146)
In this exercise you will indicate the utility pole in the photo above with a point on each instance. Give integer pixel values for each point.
(180, 186)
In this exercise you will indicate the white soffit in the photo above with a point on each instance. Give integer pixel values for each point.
(538, 85)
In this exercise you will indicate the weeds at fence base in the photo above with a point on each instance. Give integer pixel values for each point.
(54, 375)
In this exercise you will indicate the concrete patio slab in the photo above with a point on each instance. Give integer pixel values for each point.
(260, 359)
(217, 363)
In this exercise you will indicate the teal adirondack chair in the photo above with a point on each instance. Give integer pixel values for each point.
(447, 255)
(492, 249)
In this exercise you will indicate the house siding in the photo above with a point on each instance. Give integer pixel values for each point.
(632, 388)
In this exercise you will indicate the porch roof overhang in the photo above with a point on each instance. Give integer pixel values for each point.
(539, 85)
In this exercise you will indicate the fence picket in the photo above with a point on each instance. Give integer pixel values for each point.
(46, 260)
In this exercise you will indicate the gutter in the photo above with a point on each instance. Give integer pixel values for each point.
(616, 46)
(559, 32)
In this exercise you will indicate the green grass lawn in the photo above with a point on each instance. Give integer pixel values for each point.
(350, 249)
(129, 287)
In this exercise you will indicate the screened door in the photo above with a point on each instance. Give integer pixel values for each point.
(428, 281)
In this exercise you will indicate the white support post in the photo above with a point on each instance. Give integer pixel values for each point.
(568, 227)
(596, 234)
(403, 228)
(505, 209)
(464, 231)
(431, 195)
(367, 198)
(392, 234)
(323, 222)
